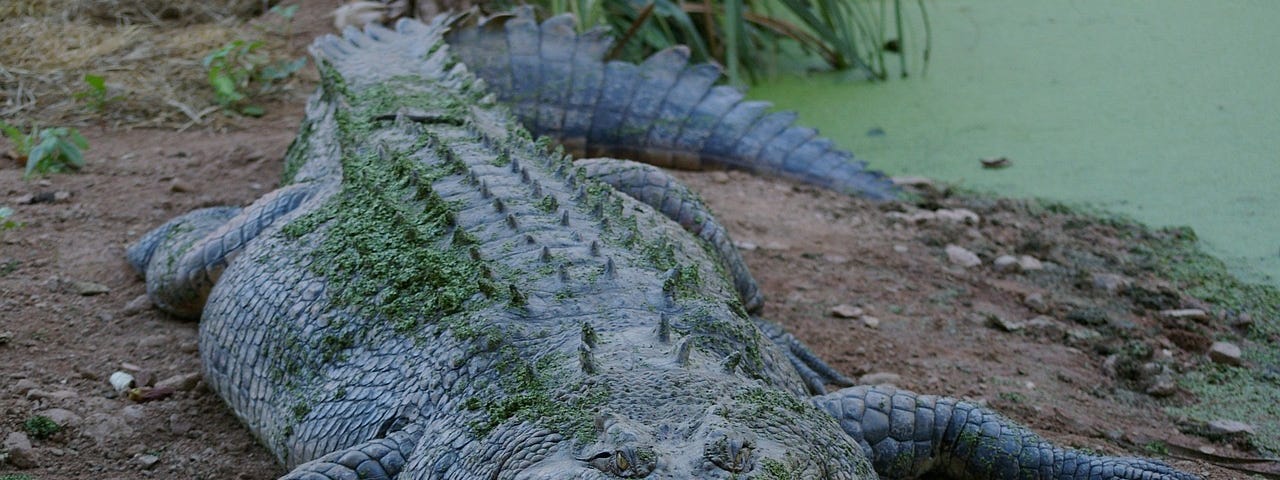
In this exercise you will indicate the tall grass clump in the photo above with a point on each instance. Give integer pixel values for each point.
(749, 37)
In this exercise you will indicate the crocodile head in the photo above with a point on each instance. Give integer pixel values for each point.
(682, 425)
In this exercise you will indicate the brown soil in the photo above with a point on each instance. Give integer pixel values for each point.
(813, 250)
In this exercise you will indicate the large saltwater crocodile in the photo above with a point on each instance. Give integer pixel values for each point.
(435, 294)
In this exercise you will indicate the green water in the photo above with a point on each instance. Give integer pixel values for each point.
(1167, 111)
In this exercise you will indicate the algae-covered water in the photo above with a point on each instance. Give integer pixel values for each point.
(1167, 111)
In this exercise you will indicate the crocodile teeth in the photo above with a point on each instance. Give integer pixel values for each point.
(537, 188)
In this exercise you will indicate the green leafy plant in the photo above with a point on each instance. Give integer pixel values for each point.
(746, 36)
(48, 150)
(40, 427)
(95, 93)
(6, 223)
(240, 70)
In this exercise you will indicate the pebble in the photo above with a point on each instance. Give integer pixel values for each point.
(179, 186)
(870, 321)
(962, 257)
(18, 451)
(900, 248)
(154, 341)
(58, 395)
(1036, 302)
(89, 288)
(1109, 282)
(1225, 353)
(138, 305)
(147, 461)
(1185, 313)
(25, 385)
(845, 310)
(1006, 263)
(1002, 323)
(1030, 263)
(182, 382)
(121, 381)
(179, 425)
(959, 215)
(61, 416)
(745, 246)
(1222, 428)
(719, 177)
(1162, 385)
(880, 378)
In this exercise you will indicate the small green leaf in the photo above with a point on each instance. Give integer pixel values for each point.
(252, 110)
(96, 82)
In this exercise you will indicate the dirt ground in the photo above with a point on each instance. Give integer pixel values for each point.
(1067, 349)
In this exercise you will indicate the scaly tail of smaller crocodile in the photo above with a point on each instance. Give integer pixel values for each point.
(663, 111)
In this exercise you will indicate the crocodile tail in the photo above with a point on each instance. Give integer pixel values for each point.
(662, 111)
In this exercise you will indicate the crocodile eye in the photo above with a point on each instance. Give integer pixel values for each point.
(620, 462)
(731, 453)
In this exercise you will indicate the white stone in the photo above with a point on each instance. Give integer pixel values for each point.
(1006, 263)
(845, 310)
(962, 257)
(1225, 352)
(1029, 263)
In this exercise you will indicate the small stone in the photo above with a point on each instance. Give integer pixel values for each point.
(137, 305)
(1082, 334)
(745, 246)
(1002, 323)
(1029, 263)
(845, 310)
(18, 451)
(61, 416)
(5, 337)
(1225, 353)
(880, 378)
(835, 259)
(122, 381)
(719, 177)
(1006, 263)
(56, 396)
(183, 382)
(870, 321)
(1036, 302)
(1109, 282)
(1224, 428)
(1045, 326)
(1185, 313)
(89, 288)
(959, 215)
(147, 461)
(154, 341)
(962, 257)
(61, 196)
(900, 248)
(178, 425)
(25, 385)
(1162, 385)
(912, 181)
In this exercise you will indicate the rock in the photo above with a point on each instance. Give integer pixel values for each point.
(182, 382)
(1162, 385)
(61, 196)
(845, 310)
(1006, 263)
(835, 259)
(103, 428)
(1109, 282)
(880, 378)
(1225, 428)
(900, 248)
(89, 288)
(1081, 334)
(179, 425)
(1091, 316)
(1036, 302)
(719, 177)
(25, 385)
(147, 461)
(61, 416)
(57, 396)
(870, 321)
(745, 246)
(1226, 353)
(154, 341)
(1185, 313)
(138, 305)
(5, 337)
(17, 448)
(959, 215)
(1029, 263)
(1045, 326)
(962, 257)
(1002, 323)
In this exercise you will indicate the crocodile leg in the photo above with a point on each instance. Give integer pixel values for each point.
(379, 459)
(907, 435)
(664, 193)
(183, 258)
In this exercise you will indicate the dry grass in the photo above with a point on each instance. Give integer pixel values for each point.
(148, 51)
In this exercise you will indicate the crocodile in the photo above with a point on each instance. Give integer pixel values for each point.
(434, 293)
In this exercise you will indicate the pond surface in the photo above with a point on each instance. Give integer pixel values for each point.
(1165, 111)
